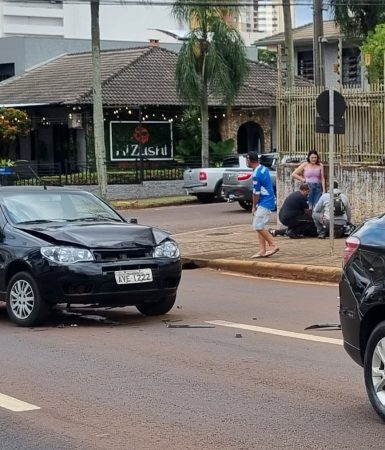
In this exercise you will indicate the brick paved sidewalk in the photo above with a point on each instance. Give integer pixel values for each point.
(240, 243)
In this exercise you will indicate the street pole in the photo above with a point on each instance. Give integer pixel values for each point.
(317, 35)
(98, 120)
(289, 45)
(331, 170)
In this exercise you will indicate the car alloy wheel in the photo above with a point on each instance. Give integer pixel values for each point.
(24, 304)
(21, 299)
(374, 369)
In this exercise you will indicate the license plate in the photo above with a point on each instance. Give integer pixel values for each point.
(133, 276)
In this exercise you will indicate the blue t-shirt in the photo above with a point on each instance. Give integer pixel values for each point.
(263, 186)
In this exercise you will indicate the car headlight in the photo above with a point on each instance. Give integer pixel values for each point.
(66, 255)
(167, 249)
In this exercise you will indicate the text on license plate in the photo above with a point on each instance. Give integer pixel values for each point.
(133, 276)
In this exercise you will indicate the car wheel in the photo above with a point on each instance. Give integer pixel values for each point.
(219, 191)
(205, 198)
(158, 308)
(25, 306)
(245, 205)
(374, 369)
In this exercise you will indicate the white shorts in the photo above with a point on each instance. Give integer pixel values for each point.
(261, 218)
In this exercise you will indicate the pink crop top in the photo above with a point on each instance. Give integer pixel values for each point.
(312, 175)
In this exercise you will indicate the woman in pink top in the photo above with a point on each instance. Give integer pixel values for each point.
(312, 173)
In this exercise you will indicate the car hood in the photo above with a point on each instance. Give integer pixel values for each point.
(97, 235)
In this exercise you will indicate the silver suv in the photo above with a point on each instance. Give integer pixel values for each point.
(237, 184)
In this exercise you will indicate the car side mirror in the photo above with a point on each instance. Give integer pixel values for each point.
(133, 220)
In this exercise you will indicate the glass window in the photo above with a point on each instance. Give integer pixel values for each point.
(41, 206)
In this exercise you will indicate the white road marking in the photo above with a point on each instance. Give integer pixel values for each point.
(290, 334)
(13, 404)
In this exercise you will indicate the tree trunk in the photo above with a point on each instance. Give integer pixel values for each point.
(205, 129)
(289, 47)
(204, 115)
(100, 149)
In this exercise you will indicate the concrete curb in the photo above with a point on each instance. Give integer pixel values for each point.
(269, 269)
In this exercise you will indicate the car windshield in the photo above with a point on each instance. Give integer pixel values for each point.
(46, 206)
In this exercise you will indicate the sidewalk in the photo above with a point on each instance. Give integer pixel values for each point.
(231, 248)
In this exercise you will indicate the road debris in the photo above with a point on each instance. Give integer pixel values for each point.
(324, 325)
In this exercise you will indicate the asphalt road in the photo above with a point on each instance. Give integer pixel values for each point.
(183, 218)
(131, 382)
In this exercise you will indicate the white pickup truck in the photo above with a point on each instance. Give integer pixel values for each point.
(206, 183)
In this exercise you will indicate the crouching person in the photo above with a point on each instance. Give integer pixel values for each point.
(342, 213)
(296, 215)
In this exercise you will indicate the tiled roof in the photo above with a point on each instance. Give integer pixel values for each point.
(65, 79)
(303, 34)
(139, 76)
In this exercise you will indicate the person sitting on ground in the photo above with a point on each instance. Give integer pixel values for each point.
(296, 215)
(342, 212)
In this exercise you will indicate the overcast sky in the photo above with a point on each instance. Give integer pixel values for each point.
(304, 14)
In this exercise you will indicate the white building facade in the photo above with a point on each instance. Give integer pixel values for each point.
(72, 20)
(262, 20)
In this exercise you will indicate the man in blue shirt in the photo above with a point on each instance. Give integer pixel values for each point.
(263, 204)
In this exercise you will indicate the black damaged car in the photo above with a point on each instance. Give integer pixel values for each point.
(362, 306)
(60, 245)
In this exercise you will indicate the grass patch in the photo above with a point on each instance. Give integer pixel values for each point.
(152, 202)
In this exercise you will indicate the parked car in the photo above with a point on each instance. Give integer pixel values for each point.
(362, 306)
(62, 245)
(206, 183)
(237, 184)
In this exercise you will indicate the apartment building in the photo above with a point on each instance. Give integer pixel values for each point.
(72, 19)
(262, 19)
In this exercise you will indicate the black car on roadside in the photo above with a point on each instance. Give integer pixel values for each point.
(362, 305)
(60, 245)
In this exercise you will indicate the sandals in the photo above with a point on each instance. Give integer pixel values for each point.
(271, 252)
(258, 255)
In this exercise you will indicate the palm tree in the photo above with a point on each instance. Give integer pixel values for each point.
(100, 149)
(212, 60)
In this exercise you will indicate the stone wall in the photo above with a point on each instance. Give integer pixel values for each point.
(229, 126)
(148, 189)
(364, 185)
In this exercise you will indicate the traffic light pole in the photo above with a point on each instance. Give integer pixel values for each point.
(331, 170)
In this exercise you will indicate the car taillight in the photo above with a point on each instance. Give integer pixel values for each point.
(244, 176)
(352, 243)
(202, 176)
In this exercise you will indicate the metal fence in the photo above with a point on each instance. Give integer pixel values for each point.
(28, 174)
(364, 138)
(131, 172)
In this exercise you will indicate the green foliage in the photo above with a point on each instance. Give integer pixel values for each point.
(14, 123)
(267, 56)
(189, 130)
(374, 45)
(7, 163)
(356, 18)
(220, 149)
(212, 61)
